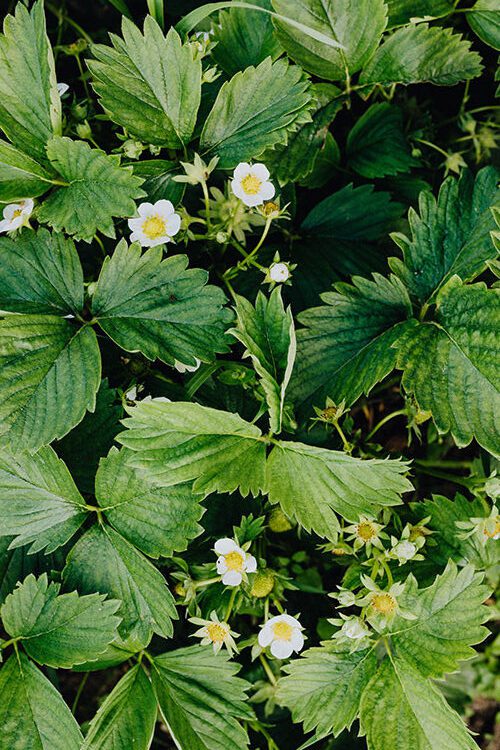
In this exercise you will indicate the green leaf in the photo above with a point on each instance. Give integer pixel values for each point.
(149, 84)
(451, 365)
(357, 25)
(129, 711)
(20, 176)
(323, 689)
(41, 273)
(49, 375)
(156, 9)
(402, 12)
(122, 573)
(59, 630)
(16, 564)
(33, 715)
(96, 190)
(268, 333)
(448, 622)
(39, 502)
(255, 110)
(400, 708)
(30, 105)
(158, 180)
(346, 345)
(484, 20)
(160, 307)
(158, 520)
(201, 699)
(450, 235)
(423, 54)
(121, 6)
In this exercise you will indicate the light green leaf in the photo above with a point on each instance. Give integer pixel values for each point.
(59, 630)
(128, 714)
(122, 573)
(20, 176)
(96, 190)
(402, 12)
(452, 366)
(50, 371)
(201, 699)
(268, 333)
(356, 24)
(30, 106)
(484, 20)
(158, 520)
(39, 502)
(33, 715)
(41, 273)
(450, 235)
(400, 708)
(149, 84)
(160, 307)
(257, 109)
(419, 54)
(323, 689)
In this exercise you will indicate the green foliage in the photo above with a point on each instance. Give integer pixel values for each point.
(484, 20)
(20, 176)
(402, 11)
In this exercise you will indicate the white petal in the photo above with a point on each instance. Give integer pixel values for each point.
(281, 649)
(232, 578)
(135, 224)
(237, 189)
(157, 241)
(266, 635)
(10, 210)
(28, 206)
(241, 170)
(276, 618)
(164, 207)
(62, 88)
(267, 191)
(252, 200)
(297, 640)
(145, 210)
(260, 171)
(250, 564)
(4, 225)
(291, 621)
(221, 565)
(17, 222)
(173, 224)
(225, 545)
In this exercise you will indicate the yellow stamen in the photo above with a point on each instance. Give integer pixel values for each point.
(366, 531)
(216, 632)
(283, 631)
(495, 531)
(154, 227)
(384, 603)
(17, 213)
(251, 184)
(234, 561)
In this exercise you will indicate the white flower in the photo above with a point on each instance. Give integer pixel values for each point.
(233, 562)
(155, 225)
(181, 367)
(215, 632)
(404, 550)
(250, 184)
(62, 88)
(283, 634)
(16, 215)
(279, 272)
(354, 629)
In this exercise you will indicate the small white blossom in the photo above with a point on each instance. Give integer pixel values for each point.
(251, 184)
(485, 528)
(283, 634)
(181, 367)
(62, 88)
(279, 272)
(233, 562)
(156, 224)
(354, 629)
(215, 632)
(16, 215)
(345, 597)
(404, 551)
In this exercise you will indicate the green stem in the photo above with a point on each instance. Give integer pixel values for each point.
(267, 669)
(447, 477)
(82, 77)
(231, 603)
(443, 463)
(11, 642)
(206, 198)
(79, 692)
(205, 582)
(390, 579)
(345, 442)
(384, 421)
(62, 17)
(432, 145)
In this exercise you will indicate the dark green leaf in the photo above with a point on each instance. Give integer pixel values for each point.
(402, 11)
(20, 176)
(158, 183)
(484, 20)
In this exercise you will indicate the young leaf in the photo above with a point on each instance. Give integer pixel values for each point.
(149, 84)
(201, 699)
(160, 307)
(401, 12)
(419, 54)
(59, 630)
(158, 520)
(96, 190)
(129, 711)
(39, 502)
(32, 713)
(20, 176)
(255, 110)
(484, 20)
(357, 25)
(50, 371)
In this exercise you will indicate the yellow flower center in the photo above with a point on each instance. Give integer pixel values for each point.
(384, 603)
(216, 632)
(495, 531)
(283, 631)
(338, 551)
(17, 213)
(251, 184)
(366, 531)
(154, 227)
(234, 561)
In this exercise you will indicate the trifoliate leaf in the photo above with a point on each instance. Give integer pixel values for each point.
(49, 375)
(20, 176)
(96, 190)
(377, 146)
(160, 307)
(402, 12)
(400, 708)
(268, 333)
(122, 573)
(357, 25)
(419, 54)
(149, 84)
(129, 711)
(41, 273)
(345, 348)
(450, 235)
(32, 713)
(254, 111)
(448, 622)
(484, 20)
(451, 364)
(30, 105)
(39, 502)
(59, 630)
(158, 520)
(323, 689)
(201, 699)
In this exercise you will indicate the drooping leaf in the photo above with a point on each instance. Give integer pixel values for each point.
(59, 630)
(402, 12)
(149, 84)
(49, 375)
(158, 180)
(20, 176)
(484, 20)
(96, 190)
(160, 307)
(255, 110)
